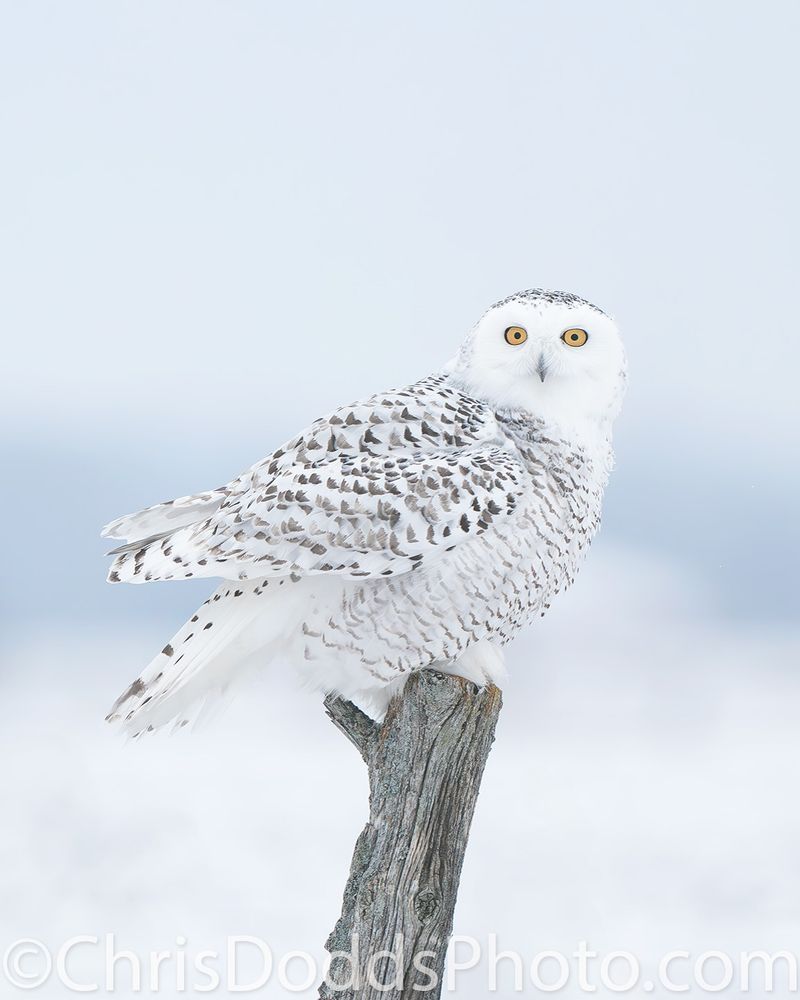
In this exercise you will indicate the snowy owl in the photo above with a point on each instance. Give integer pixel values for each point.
(421, 527)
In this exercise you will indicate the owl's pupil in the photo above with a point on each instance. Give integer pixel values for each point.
(574, 336)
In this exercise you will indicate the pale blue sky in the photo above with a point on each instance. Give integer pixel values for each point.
(221, 219)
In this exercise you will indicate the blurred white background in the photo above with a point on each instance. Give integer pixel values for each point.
(219, 220)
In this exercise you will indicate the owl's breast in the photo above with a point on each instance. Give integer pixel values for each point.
(543, 546)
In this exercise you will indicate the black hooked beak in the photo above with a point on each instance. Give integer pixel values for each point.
(541, 367)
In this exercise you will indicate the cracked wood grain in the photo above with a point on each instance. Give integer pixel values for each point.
(425, 763)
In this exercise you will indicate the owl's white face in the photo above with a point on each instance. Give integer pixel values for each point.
(550, 353)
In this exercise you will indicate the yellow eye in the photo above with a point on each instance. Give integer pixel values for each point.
(515, 335)
(575, 338)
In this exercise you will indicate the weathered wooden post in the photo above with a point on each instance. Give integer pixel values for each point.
(425, 763)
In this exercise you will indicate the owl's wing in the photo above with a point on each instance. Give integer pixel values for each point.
(371, 490)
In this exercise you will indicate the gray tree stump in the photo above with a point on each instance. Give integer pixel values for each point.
(425, 763)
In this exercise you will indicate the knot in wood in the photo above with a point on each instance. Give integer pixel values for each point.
(426, 903)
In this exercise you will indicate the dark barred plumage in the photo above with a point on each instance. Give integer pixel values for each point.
(420, 527)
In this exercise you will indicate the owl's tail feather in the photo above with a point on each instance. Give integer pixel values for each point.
(204, 657)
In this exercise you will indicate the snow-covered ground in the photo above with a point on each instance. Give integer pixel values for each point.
(641, 796)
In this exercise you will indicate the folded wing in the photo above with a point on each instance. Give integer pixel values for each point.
(371, 490)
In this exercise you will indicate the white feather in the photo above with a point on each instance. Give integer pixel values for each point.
(164, 517)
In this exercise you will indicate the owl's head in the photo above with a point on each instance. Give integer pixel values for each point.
(550, 353)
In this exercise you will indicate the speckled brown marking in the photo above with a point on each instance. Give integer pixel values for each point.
(444, 521)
